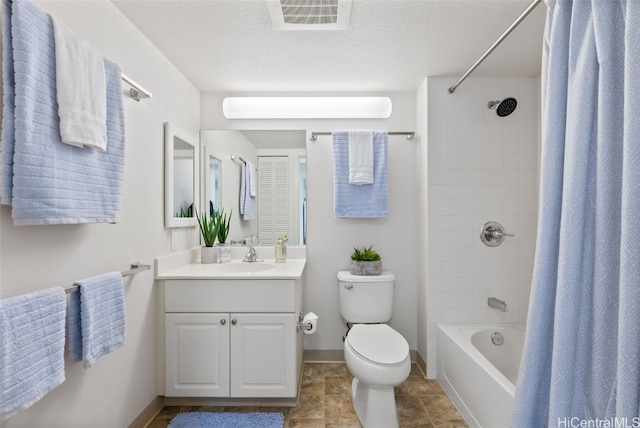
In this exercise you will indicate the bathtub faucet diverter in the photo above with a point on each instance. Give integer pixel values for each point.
(498, 304)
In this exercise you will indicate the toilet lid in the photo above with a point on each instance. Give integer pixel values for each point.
(378, 343)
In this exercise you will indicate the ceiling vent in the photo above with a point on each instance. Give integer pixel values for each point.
(310, 14)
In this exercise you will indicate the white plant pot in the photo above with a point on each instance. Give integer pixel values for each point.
(208, 255)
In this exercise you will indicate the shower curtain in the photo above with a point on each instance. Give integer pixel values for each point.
(581, 360)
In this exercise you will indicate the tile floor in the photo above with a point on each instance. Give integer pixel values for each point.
(325, 402)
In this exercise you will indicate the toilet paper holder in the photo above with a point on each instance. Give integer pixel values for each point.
(301, 325)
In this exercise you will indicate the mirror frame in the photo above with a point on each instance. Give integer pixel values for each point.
(170, 134)
(205, 158)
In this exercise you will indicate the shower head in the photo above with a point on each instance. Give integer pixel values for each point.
(503, 107)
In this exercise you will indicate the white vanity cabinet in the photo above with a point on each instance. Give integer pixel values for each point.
(232, 338)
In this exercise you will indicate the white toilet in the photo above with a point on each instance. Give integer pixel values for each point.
(376, 355)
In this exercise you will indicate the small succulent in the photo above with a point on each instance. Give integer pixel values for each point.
(209, 228)
(223, 221)
(364, 254)
(185, 212)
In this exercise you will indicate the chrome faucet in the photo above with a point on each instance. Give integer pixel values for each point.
(251, 257)
(498, 304)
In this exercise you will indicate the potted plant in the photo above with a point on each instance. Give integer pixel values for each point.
(223, 220)
(209, 227)
(366, 261)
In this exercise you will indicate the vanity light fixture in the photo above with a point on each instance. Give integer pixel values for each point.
(307, 107)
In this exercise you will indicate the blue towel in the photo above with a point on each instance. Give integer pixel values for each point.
(31, 348)
(7, 140)
(54, 183)
(74, 327)
(360, 201)
(102, 316)
(247, 202)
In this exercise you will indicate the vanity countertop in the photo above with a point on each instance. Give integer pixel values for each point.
(236, 269)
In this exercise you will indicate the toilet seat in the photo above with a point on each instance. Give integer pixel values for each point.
(378, 344)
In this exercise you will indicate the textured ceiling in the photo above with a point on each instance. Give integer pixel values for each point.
(391, 45)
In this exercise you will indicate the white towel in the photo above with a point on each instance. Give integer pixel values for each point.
(360, 157)
(31, 348)
(102, 316)
(253, 188)
(81, 90)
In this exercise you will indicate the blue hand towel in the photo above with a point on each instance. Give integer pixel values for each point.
(360, 201)
(243, 187)
(248, 202)
(7, 141)
(31, 348)
(54, 183)
(102, 316)
(74, 327)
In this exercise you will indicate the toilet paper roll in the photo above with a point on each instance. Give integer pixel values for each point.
(310, 319)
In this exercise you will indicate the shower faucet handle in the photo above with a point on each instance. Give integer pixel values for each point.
(492, 234)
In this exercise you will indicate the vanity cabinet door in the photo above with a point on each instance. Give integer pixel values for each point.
(197, 355)
(263, 355)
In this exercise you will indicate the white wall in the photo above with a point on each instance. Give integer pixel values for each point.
(480, 168)
(422, 156)
(331, 240)
(119, 386)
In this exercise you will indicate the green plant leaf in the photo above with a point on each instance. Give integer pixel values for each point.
(364, 254)
(223, 220)
(208, 228)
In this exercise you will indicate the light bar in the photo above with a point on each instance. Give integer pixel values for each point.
(306, 107)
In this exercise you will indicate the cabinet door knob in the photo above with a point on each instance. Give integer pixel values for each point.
(223, 321)
(234, 322)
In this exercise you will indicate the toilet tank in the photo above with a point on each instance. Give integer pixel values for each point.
(366, 298)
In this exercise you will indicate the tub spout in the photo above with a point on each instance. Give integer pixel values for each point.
(497, 304)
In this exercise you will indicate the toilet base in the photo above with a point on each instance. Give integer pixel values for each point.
(374, 406)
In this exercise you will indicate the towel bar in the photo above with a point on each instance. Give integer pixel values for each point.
(235, 158)
(136, 267)
(409, 134)
(137, 92)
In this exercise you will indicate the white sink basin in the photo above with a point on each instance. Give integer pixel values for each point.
(243, 267)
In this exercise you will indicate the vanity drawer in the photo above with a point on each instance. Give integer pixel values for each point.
(230, 295)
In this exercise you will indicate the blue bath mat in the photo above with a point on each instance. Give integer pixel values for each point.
(227, 420)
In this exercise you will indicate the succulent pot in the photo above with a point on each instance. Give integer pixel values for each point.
(366, 268)
(208, 255)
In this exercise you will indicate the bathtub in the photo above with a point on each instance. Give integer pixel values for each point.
(478, 376)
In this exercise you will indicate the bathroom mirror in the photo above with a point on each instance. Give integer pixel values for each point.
(181, 180)
(279, 158)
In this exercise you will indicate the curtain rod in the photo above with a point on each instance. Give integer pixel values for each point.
(136, 268)
(504, 35)
(409, 134)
